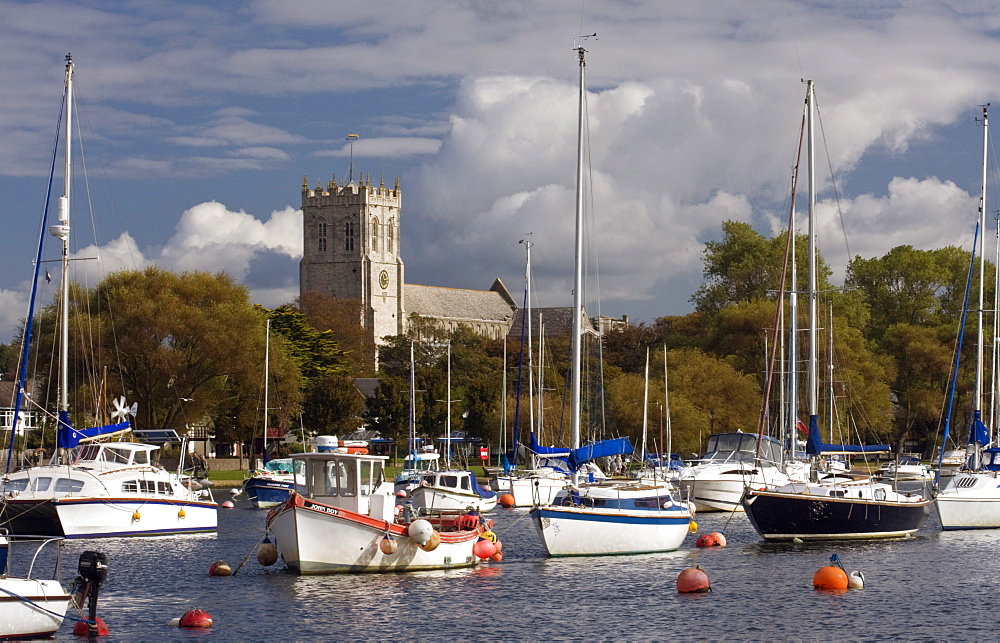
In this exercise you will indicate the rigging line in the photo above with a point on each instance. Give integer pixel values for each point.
(833, 181)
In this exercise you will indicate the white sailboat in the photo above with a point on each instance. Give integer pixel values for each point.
(971, 500)
(98, 490)
(837, 508)
(612, 517)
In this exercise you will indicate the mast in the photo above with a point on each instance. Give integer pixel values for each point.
(812, 375)
(413, 413)
(666, 407)
(830, 369)
(541, 377)
(531, 384)
(447, 425)
(267, 366)
(645, 412)
(578, 268)
(61, 231)
(793, 344)
(977, 398)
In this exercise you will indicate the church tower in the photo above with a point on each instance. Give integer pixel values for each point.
(351, 249)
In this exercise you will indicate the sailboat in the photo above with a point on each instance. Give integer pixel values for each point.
(270, 485)
(101, 489)
(971, 500)
(837, 508)
(450, 489)
(614, 517)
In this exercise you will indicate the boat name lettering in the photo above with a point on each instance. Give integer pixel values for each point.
(317, 507)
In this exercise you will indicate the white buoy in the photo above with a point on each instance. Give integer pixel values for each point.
(856, 580)
(420, 531)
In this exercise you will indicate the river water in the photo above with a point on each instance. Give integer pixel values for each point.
(935, 585)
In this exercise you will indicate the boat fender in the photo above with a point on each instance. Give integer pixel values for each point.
(82, 628)
(693, 580)
(420, 531)
(692, 527)
(692, 508)
(195, 618)
(388, 545)
(136, 517)
(497, 557)
(856, 580)
(830, 577)
(484, 549)
(220, 568)
(432, 542)
(267, 553)
(181, 513)
(499, 545)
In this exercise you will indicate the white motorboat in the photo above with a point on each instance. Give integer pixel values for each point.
(731, 464)
(109, 489)
(971, 500)
(342, 518)
(30, 606)
(453, 489)
(905, 468)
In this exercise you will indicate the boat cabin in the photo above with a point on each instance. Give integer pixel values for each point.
(344, 480)
(115, 454)
(741, 447)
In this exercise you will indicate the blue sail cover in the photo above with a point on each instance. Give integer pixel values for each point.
(600, 449)
(816, 446)
(978, 433)
(68, 437)
(540, 450)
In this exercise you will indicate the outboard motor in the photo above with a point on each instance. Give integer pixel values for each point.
(92, 570)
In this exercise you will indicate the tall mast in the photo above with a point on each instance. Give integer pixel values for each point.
(527, 298)
(645, 412)
(813, 380)
(447, 431)
(267, 366)
(977, 398)
(578, 266)
(793, 344)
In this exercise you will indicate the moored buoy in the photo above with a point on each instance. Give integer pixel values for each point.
(388, 545)
(483, 549)
(420, 531)
(490, 536)
(432, 542)
(830, 577)
(856, 580)
(220, 568)
(499, 545)
(497, 557)
(401, 493)
(705, 540)
(720, 538)
(196, 618)
(267, 553)
(506, 501)
(81, 628)
(693, 580)
(227, 504)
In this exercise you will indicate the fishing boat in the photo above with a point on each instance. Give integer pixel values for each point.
(971, 499)
(32, 606)
(609, 518)
(839, 507)
(731, 464)
(271, 485)
(342, 518)
(451, 489)
(94, 490)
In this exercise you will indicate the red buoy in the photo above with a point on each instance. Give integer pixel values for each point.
(506, 501)
(83, 629)
(196, 618)
(693, 580)
(483, 549)
(220, 568)
(720, 538)
(830, 578)
(497, 557)
(705, 540)
(228, 504)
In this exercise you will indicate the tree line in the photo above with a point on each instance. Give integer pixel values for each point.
(189, 348)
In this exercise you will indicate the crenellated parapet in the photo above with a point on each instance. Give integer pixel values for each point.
(353, 194)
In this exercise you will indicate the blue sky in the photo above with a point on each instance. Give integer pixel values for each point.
(200, 119)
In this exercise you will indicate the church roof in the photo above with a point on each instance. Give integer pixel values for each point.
(558, 321)
(456, 303)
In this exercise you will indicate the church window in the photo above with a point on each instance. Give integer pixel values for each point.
(349, 236)
(321, 233)
(390, 244)
(374, 234)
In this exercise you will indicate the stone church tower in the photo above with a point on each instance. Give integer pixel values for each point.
(351, 249)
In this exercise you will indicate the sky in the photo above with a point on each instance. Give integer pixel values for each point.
(199, 121)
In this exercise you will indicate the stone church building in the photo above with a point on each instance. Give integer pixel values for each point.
(351, 242)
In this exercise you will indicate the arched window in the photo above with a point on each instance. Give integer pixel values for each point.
(349, 236)
(390, 236)
(374, 234)
(321, 235)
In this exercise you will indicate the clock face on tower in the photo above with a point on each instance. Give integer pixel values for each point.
(383, 279)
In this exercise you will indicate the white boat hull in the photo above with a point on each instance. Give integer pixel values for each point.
(436, 498)
(315, 538)
(970, 501)
(531, 491)
(19, 619)
(109, 517)
(584, 531)
(721, 491)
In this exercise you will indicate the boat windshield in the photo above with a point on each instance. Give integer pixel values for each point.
(741, 447)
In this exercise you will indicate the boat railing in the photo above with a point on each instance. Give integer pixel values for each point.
(42, 542)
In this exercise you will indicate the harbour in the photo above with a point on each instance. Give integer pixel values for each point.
(759, 590)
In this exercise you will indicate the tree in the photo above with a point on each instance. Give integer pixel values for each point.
(333, 404)
(343, 317)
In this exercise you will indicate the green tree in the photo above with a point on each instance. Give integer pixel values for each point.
(333, 404)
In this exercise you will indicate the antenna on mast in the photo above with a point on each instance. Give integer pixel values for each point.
(350, 173)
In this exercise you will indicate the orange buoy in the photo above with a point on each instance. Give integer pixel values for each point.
(227, 504)
(136, 516)
(483, 549)
(506, 501)
(181, 513)
(82, 628)
(388, 545)
(693, 580)
(196, 618)
(720, 538)
(499, 546)
(705, 540)
(432, 541)
(830, 578)
(220, 568)
(497, 557)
